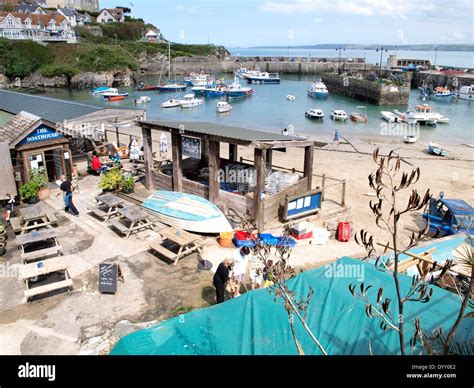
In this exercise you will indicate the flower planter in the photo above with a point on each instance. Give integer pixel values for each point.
(44, 194)
(3, 239)
(33, 200)
(2, 249)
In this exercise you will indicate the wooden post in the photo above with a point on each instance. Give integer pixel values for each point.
(323, 187)
(259, 162)
(177, 149)
(148, 155)
(117, 135)
(214, 166)
(308, 165)
(269, 156)
(343, 202)
(233, 152)
(205, 151)
(105, 136)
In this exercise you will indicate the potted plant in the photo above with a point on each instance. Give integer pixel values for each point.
(112, 181)
(128, 184)
(40, 179)
(3, 249)
(3, 234)
(30, 191)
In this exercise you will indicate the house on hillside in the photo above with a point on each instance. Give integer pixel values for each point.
(84, 18)
(153, 35)
(45, 28)
(70, 14)
(111, 15)
(29, 8)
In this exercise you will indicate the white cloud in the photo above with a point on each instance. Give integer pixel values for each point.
(318, 20)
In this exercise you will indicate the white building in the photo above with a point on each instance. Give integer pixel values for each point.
(111, 15)
(70, 14)
(45, 28)
(29, 8)
(153, 35)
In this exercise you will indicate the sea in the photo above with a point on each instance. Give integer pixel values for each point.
(268, 109)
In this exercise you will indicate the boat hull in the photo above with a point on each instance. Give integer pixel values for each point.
(252, 80)
(147, 88)
(187, 211)
(166, 89)
(116, 98)
(239, 94)
(435, 149)
(318, 94)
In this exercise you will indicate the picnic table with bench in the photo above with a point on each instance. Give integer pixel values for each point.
(135, 219)
(33, 217)
(187, 243)
(29, 272)
(38, 236)
(106, 206)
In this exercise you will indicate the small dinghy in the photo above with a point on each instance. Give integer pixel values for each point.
(142, 100)
(410, 139)
(389, 116)
(223, 107)
(436, 149)
(290, 97)
(187, 211)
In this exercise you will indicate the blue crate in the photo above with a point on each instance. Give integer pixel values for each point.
(268, 238)
(243, 243)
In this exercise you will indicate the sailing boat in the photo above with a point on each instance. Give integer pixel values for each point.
(170, 86)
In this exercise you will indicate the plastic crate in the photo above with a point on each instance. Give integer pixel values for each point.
(268, 238)
(302, 236)
(243, 243)
(286, 242)
(243, 235)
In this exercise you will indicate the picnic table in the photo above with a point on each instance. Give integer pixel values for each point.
(33, 217)
(187, 243)
(38, 236)
(30, 272)
(111, 204)
(135, 219)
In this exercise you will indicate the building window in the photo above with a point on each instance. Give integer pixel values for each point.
(10, 22)
(28, 24)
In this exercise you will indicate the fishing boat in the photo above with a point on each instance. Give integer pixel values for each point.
(339, 115)
(236, 90)
(466, 93)
(318, 90)
(441, 93)
(195, 78)
(223, 107)
(144, 87)
(314, 114)
(190, 101)
(389, 116)
(199, 87)
(187, 211)
(112, 92)
(289, 97)
(263, 78)
(215, 90)
(116, 98)
(242, 72)
(100, 90)
(360, 117)
(436, 149)
(170, 86)
(172, 103)
(410, 139)
(142, 100)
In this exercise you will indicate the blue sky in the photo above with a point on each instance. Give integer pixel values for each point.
(248, 23)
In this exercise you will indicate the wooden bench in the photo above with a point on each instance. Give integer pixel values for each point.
(56, 250)
(53, 220)
(97, 212)
(119, 226)
(158, 248)
(16, 224)
(30, 292)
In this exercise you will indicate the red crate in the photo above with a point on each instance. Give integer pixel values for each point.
(243, 235)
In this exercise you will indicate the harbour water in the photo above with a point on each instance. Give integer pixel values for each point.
(463, 59)
(269, 109)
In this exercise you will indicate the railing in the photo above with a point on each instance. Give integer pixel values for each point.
(42, 38)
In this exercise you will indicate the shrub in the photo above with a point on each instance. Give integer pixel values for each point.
(104, 58)
(30, 189)
(128, 184)
(57, 70)
(112, 181)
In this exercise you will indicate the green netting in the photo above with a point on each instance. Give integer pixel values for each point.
(253, 324)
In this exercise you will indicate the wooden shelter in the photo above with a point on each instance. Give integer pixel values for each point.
(201, 143)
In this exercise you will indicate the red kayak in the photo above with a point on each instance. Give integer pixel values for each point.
(116, 98)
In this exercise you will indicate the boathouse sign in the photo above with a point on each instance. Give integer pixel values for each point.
(42, 133)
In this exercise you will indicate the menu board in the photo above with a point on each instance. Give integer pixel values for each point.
(108, 275)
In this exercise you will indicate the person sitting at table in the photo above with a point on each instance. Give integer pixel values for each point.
(96, 166)
(115, 157)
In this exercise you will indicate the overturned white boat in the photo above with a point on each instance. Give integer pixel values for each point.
(187, 211)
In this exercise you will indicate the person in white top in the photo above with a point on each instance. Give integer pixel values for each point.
(255, 271)
(240, 258)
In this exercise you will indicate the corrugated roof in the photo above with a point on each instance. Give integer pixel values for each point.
(51, 109)
(236, 133)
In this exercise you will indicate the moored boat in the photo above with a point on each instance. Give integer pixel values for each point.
(143, 87)
(117, 97)
(410, 139)
(112, 92)
(360, 117)
(187, 211)
(142, 100)
(171, 87)
(339, 115)
(236, 90)
(215, 90)
(466, 93)
(389, 116)
(242, 72)
(318, 90)
(422, 114)
(436, 149)
(190, 101)
(263, 78)
(100, 90)
(172, 103)
(290, 97)
(223, 107)
(314, 113)
(441, 93)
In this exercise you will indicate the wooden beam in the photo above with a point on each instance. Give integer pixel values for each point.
(283, 144)
(177, 149)
(214, 166)
(308, 165)
(233, 152)
(205, 151)
(269, 156)
(259, 162)
(148, 155)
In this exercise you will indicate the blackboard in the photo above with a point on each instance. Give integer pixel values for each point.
(191, 147)
(108, 274)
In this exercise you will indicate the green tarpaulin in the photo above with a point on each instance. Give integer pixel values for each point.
(253, 324)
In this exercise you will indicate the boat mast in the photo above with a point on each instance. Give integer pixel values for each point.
(169, 61)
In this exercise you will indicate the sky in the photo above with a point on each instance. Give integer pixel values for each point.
(247, 23)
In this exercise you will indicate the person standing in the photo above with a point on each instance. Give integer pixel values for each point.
(255, 271)
(220, 278)
(337, 136)
(240, 259)
(10, 207)
(66, 188)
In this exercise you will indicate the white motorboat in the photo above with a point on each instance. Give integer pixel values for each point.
(172, 103)
(314, 114)
(199, 87)
(423, 114)
(466, 93)
(410, 139)
(113, 92)
(190, 101)
(142, 100)
(339, 115)
(290, 97)
(389, 116)
(263, 77)
(318, 90)
(243, 72)
(223, 107)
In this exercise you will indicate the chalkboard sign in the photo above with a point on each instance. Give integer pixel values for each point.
(191, 147)
(108, 275)
(302, 205)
